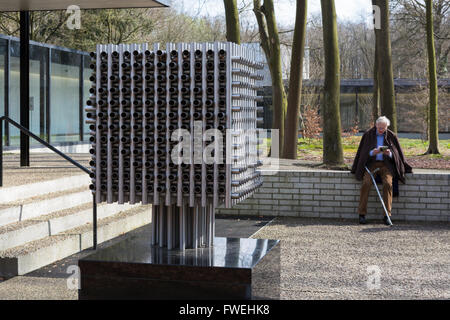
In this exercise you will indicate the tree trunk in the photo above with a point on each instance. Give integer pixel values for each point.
(376, 89)
(232, 21)
(376, 73)
(433, 137)
(295, 83)
(270, 42)
(386, 80)
(332, 144)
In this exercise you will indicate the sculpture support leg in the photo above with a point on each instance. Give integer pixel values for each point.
(183, 227)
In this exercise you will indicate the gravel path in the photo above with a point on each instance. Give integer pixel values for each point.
(25, 288)
(327, 260)
(338, 259)
(43, 166)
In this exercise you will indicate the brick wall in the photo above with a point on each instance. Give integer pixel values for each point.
(335, 194)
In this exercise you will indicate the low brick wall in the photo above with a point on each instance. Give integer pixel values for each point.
(335, 194)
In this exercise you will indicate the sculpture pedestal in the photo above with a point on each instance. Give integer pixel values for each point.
(232, 269)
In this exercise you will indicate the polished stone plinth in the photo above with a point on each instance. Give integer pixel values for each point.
(232, 269)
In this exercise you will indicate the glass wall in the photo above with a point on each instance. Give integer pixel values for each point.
(14, 92)
(38, 98)
(87, 72)
(58, 91)
(37, 92)
(64, 96)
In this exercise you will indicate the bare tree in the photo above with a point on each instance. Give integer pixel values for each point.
(45, 26)
(409, 36)
(232, 18)
(295, 82)
(386, 75)
(270, 43)
(333, 154)
(433, 147)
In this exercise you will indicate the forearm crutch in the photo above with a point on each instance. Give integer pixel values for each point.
(379, 195)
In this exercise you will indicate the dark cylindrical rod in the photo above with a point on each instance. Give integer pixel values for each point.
(94, 220)
(154, 225)
(24, 87)
(182, 228)
(169, 227)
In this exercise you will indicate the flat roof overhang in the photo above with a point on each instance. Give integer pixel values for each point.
(39, 5)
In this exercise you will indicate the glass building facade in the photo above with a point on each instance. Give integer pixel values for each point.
(59, 87)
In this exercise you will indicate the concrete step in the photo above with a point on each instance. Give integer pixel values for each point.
(19, 233)
(9, 194)
(36, 254)
(34, 207)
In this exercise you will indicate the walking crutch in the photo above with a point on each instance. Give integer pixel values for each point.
(378, 191)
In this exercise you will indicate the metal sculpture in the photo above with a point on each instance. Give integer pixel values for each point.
(176, 128)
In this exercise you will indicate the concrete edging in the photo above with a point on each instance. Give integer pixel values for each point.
(53, 226)
(10, 194)
(35, 209)
(69, 244)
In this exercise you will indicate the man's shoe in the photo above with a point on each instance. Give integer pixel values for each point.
(386, 221)
(362, 220)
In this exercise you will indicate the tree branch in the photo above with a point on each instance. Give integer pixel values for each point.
(263, 31)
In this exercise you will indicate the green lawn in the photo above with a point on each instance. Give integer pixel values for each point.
(350, 144)
(414, 149)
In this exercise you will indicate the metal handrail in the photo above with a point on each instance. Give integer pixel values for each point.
(46, 144)
(32, 135)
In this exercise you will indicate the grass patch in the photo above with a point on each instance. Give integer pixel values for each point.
(311, 150)
(414, 149)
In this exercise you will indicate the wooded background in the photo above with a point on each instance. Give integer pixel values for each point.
(413, 43)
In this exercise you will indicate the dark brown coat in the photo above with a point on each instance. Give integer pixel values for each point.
(397, 165)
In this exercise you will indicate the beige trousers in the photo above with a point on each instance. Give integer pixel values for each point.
(367, 183)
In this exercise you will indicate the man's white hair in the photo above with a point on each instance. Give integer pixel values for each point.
(383, 119)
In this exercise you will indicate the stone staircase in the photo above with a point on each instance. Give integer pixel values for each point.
(39, 225)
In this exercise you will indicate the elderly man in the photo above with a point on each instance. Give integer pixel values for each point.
(391, 164)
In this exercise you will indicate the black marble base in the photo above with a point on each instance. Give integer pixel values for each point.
(232, 269)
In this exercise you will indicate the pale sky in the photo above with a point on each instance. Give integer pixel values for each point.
(355, 10)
